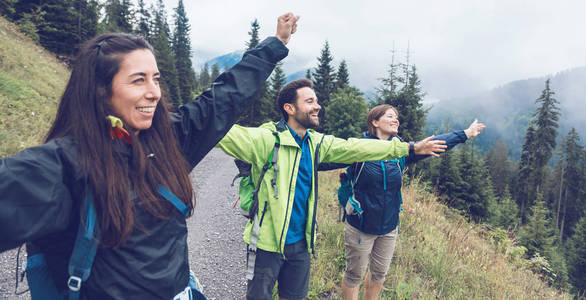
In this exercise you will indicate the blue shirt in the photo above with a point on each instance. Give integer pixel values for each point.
(297, 223)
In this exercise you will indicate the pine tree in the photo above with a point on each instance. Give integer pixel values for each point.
(277, 82)
(182, 52)
(504, 213)
(546, 121)
(347, 112)
(126, 16)
(89, 20)
(389, 85)
(409, 103)
(342, 77)
(165, 58)
(570, 200)
(525, 191)
(576, 259)
(27, 22)
(476, 190)
(58, 30)
(308, 74)
(215, 72)
(7, 8)
(323, 82)
(500, 168)
(143, 20)
(253, 33)
(405, 94)
(449, 183)
(539, 237)
(260, 108)
(204, 77)
(118, 16)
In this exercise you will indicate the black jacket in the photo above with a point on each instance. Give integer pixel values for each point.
(41, 189)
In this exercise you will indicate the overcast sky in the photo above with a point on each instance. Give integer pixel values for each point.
(459, 46)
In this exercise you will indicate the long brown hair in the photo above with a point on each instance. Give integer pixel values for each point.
(82, 116)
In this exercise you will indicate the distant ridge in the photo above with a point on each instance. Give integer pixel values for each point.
(507, 109)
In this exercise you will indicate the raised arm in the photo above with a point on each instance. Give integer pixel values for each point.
(201, 124)
(452, 139)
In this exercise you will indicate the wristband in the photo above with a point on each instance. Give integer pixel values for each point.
(411, 148)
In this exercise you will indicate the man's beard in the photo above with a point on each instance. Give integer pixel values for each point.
(306, 120)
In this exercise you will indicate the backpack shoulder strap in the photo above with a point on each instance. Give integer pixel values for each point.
(271, 161)
(85, 247)
(356, 175)
(167, 194)
(252, 247)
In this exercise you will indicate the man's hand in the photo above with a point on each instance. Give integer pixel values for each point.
(286, 26)
(474, 129)
(429, 146)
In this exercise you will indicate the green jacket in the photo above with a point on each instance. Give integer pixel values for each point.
(255, 144)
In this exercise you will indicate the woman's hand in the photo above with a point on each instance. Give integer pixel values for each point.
(429, 146)
(474, 129)
(286, 26)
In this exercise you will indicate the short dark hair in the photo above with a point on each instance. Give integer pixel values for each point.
(288, 94)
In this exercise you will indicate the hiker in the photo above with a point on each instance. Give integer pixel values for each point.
(115, 141)
(370, 237)
(281, 235)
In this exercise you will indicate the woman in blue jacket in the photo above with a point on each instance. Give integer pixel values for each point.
(370, 237)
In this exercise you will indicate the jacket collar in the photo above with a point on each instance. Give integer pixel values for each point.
(285, 135)
(368, 135)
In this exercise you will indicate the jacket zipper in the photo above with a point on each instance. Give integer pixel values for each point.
(288, 199)
(314, 220)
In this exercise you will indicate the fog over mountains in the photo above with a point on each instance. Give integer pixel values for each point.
(507, 109)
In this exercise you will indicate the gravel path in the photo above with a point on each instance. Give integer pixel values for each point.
(217, 253)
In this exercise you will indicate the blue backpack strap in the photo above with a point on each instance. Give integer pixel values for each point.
(86, 245)
(167, 194)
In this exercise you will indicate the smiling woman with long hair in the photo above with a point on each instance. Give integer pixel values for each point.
(115, 139)
(370, 237)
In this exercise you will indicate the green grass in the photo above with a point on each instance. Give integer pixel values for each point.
(31, 83)
(439, 255)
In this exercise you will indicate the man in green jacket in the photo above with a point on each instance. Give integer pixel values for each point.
(282, 234)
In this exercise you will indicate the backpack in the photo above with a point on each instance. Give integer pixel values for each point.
(248, 197)
(42, 285)
(247, 190)
(348, 203)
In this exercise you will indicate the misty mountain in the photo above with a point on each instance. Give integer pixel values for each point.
(225, 61)
(507, 109)
(228, 60)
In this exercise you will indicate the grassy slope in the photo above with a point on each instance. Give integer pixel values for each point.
(31, 82)
(438, 255)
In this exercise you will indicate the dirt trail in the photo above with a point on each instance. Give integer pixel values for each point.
(217, 253)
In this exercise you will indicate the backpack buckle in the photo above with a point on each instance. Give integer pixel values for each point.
(74, 283)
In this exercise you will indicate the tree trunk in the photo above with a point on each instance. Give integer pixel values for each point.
(564, 215)
(557, 218)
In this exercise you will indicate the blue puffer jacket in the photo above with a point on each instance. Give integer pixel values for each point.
(378, 188)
